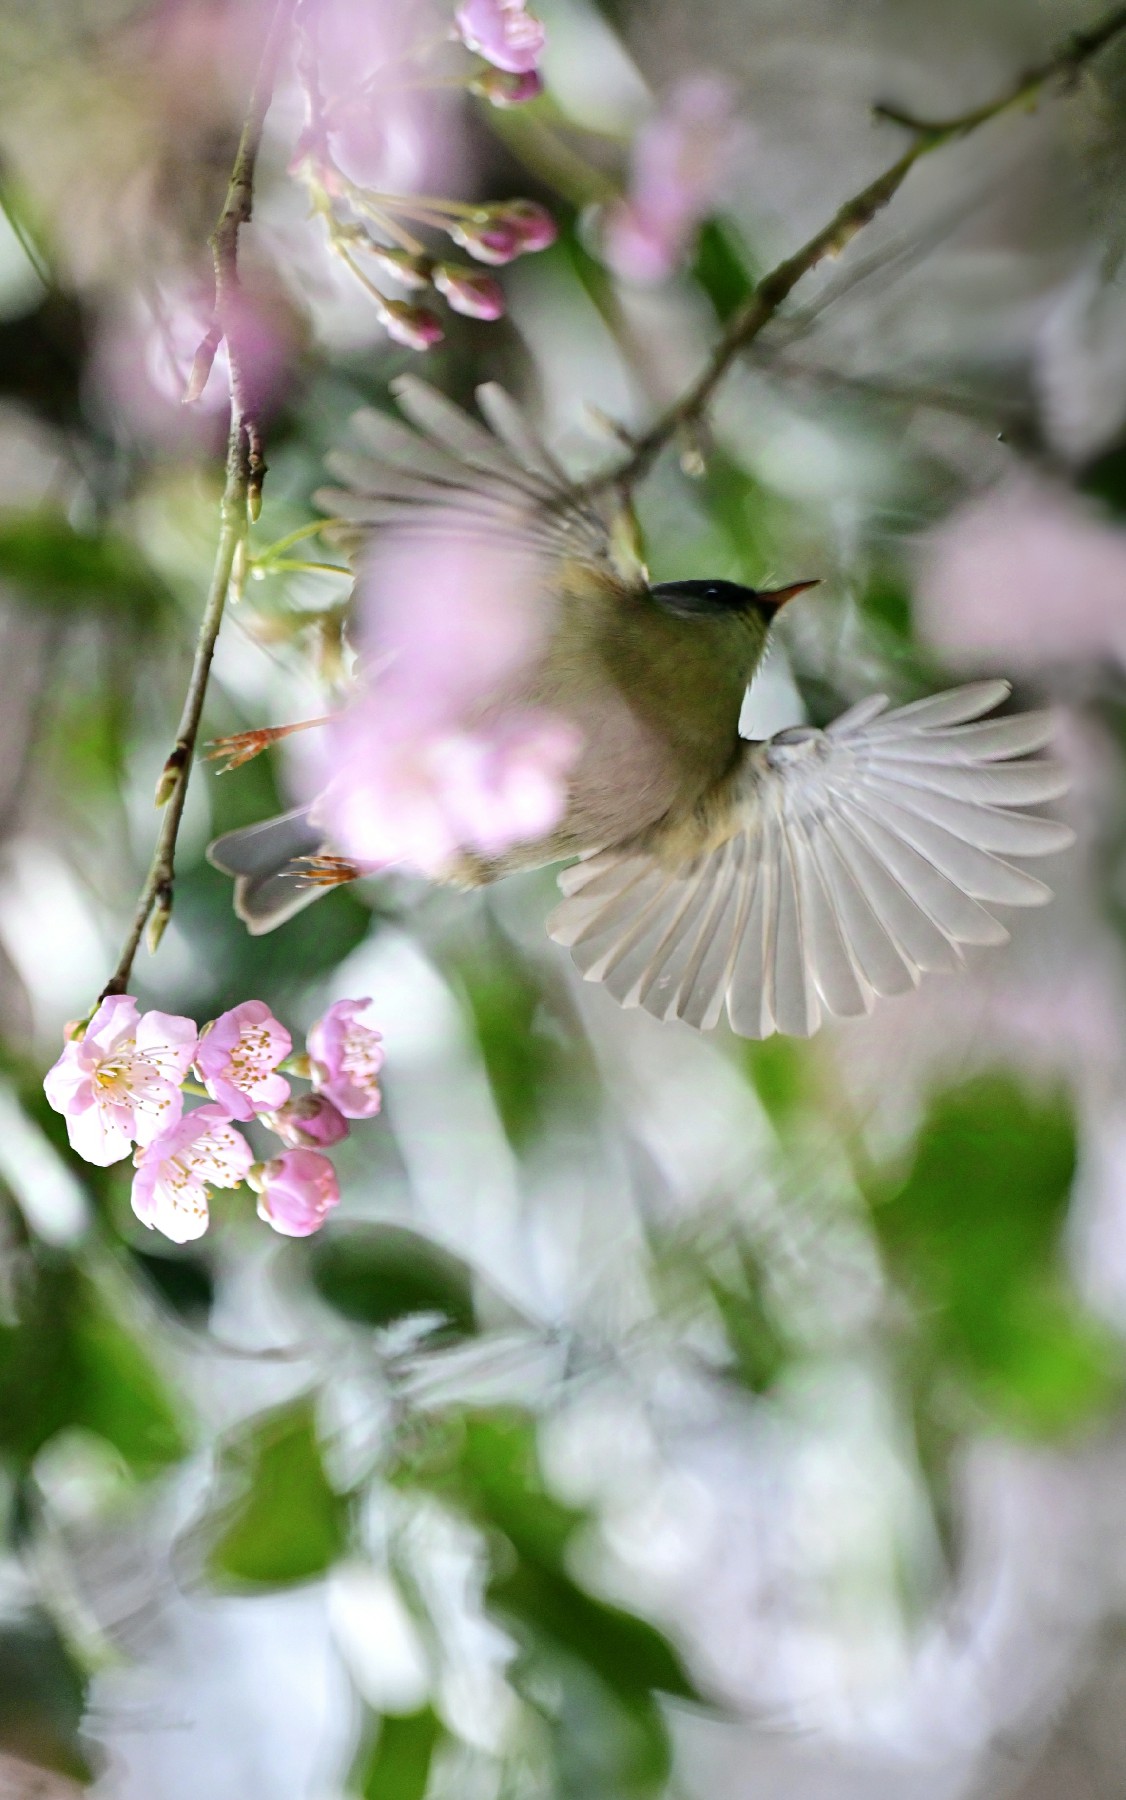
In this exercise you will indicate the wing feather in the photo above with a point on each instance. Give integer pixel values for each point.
(439, 469)
(860, 859)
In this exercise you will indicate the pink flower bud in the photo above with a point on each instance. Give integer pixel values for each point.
(477, 296)
(414, 326)
(534, 225)
(501, 31)
(298, 1192)
(346, 1058)
(501, 88)
(308, 1122)
(488, 237)
(238, 1058)
(403, 266)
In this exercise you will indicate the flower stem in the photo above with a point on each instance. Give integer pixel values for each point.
(245, 469)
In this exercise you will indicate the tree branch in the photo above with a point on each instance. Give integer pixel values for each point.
(763, 304)
(241, 499)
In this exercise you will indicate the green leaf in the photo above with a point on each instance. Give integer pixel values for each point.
(778, 1068)
(397, 1765)
(723, 269)
(287, 1524)
(43, 554)
(757, 1345)
(68, 1360)
(42, 1699)
(379, 1273)
(973, 1233)
(183, 1282)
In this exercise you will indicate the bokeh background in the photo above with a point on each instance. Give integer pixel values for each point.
(658, 1415)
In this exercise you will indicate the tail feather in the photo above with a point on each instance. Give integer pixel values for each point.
(268, 863)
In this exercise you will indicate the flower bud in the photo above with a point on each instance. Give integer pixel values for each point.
(403, 266)
(534, 224)
(488, 236)
(308, 1122)
(414, 326)
(477, 296)
(298, 1192)
(503, 88)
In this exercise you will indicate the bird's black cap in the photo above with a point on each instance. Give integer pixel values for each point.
(696, 599)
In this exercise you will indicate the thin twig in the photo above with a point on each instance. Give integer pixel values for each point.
(763, 304)
(245, 469)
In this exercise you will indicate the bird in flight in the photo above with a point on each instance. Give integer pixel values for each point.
(782, 880)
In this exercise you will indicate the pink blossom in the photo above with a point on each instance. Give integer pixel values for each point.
(120, 1082)
(298, 1192)
(146, 352)
(449, 614)
(425, 800)
(346, 1058)
(308, 1122)
(238, 1057)
(468, 291)
(679, 164)
(1029, 577)
(176, 1172)
(385, 131)
(437, 755)
(503, 32)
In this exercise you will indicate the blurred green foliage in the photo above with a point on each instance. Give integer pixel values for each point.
(593, 1670)
(973, 1232)
(42, 1698)
(397, 1765)
(54, 564)
(285, 1523)
(377, 1274)
(69, 1359)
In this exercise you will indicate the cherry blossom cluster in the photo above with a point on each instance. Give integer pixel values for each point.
(121, 1086)
(430, 763)
(367, 142)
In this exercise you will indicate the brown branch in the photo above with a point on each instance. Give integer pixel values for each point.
(241, 497)
(769, 296)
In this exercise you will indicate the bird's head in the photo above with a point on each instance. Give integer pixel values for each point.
(711, 599)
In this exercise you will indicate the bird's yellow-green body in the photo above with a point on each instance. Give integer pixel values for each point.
(656, 697)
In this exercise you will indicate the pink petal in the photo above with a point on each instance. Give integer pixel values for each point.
(101, 1135)
(115, 1019)
(168, 1042)
(67, 1084)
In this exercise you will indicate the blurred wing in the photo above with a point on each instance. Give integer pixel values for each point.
(268, 862)
(445, 471)
(865, 856)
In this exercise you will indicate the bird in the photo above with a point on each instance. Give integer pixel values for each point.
(781, 880)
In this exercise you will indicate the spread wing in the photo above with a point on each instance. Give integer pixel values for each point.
(865, 856)
(445, 471)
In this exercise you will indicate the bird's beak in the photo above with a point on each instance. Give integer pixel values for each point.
(774, 599)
